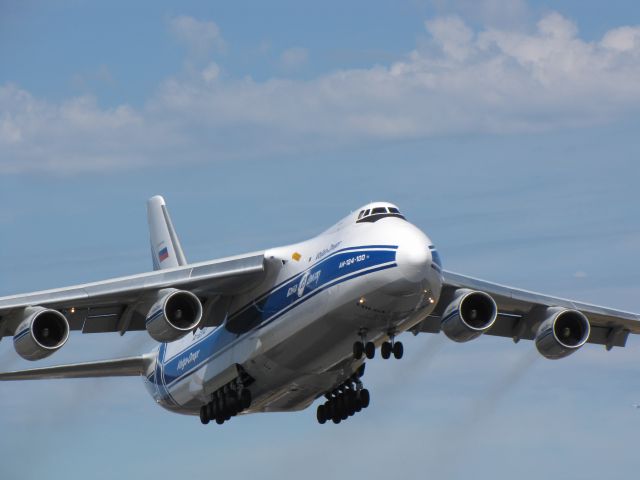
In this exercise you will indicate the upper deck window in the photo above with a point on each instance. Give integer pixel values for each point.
(377, 213)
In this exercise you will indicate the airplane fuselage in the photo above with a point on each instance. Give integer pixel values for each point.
(291, 338)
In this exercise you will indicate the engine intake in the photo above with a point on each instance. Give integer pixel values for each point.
(470, 315)
(42, 332)
(562, 333)
(173, 315)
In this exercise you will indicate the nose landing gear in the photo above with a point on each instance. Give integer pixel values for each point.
(361, 347)
(394, 347)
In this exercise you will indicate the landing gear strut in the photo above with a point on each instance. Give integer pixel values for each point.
(362, 347)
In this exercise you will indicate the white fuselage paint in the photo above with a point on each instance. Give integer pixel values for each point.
(373, 279)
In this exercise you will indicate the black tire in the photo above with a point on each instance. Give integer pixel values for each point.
(398, 350)
(245, 398)
(321, 415)
(370, 350)
(353, 402)
(385, 350)
(365, 398)
(336, 415)
(358, 350)
(219, 420)
(360, 371)
(340, 405)
(233, 402)
(204, 417)
(211, 410)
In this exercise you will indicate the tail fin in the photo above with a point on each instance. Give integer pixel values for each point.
(166, 251)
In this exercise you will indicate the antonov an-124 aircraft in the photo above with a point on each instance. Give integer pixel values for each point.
(275, 330)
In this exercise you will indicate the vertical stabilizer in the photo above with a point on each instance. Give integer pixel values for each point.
(166, 251)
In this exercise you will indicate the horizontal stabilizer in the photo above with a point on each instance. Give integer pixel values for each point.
(120, 367)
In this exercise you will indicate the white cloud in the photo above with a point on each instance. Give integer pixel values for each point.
(200, 37)
(496, 80)
(623, 39)
(452, 35)
(294, 58)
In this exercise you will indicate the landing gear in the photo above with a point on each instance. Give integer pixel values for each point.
(228, 401)
(398, 350)
(370, 350)
(204, 415)
(385, 350)
(394, 347)
(358, 350)
(344, 402)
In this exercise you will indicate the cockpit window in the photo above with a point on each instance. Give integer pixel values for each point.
(375, 214)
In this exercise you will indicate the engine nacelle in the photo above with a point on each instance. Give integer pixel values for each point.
(470, 315)
(42, 332)
(562, 333)
(174, 314)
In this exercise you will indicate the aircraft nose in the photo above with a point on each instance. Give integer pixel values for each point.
(413, 257)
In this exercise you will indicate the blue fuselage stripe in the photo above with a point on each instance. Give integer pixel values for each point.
(340, 266)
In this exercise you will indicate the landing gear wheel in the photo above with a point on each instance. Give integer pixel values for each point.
(365, 398)
(398, 350)
(211, 410)
(352, 402)
(370, 350)
(358, 350)
(204, 417)
(321, 415)
(233, 404)
(219, 420)
(385, 350)
(245, 398)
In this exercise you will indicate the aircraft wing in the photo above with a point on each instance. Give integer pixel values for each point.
(111, 305)
(518, 312)
(120, 367)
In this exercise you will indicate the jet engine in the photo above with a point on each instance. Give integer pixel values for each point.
(173, 315)
(469, 315)
(563, 332)
(42, 332)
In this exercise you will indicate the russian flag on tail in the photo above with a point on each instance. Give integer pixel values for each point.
(163, 254)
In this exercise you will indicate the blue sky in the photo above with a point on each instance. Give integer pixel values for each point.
(506, 130)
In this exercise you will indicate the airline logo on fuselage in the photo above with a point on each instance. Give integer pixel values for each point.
(330, 248)
(189, 359)
(307, 279)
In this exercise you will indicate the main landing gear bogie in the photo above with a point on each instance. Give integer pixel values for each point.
(344, 402)
(226, 403)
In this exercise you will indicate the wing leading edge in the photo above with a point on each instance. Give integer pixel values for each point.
(518, 312)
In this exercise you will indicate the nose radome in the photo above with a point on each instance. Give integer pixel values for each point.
(413, 257)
